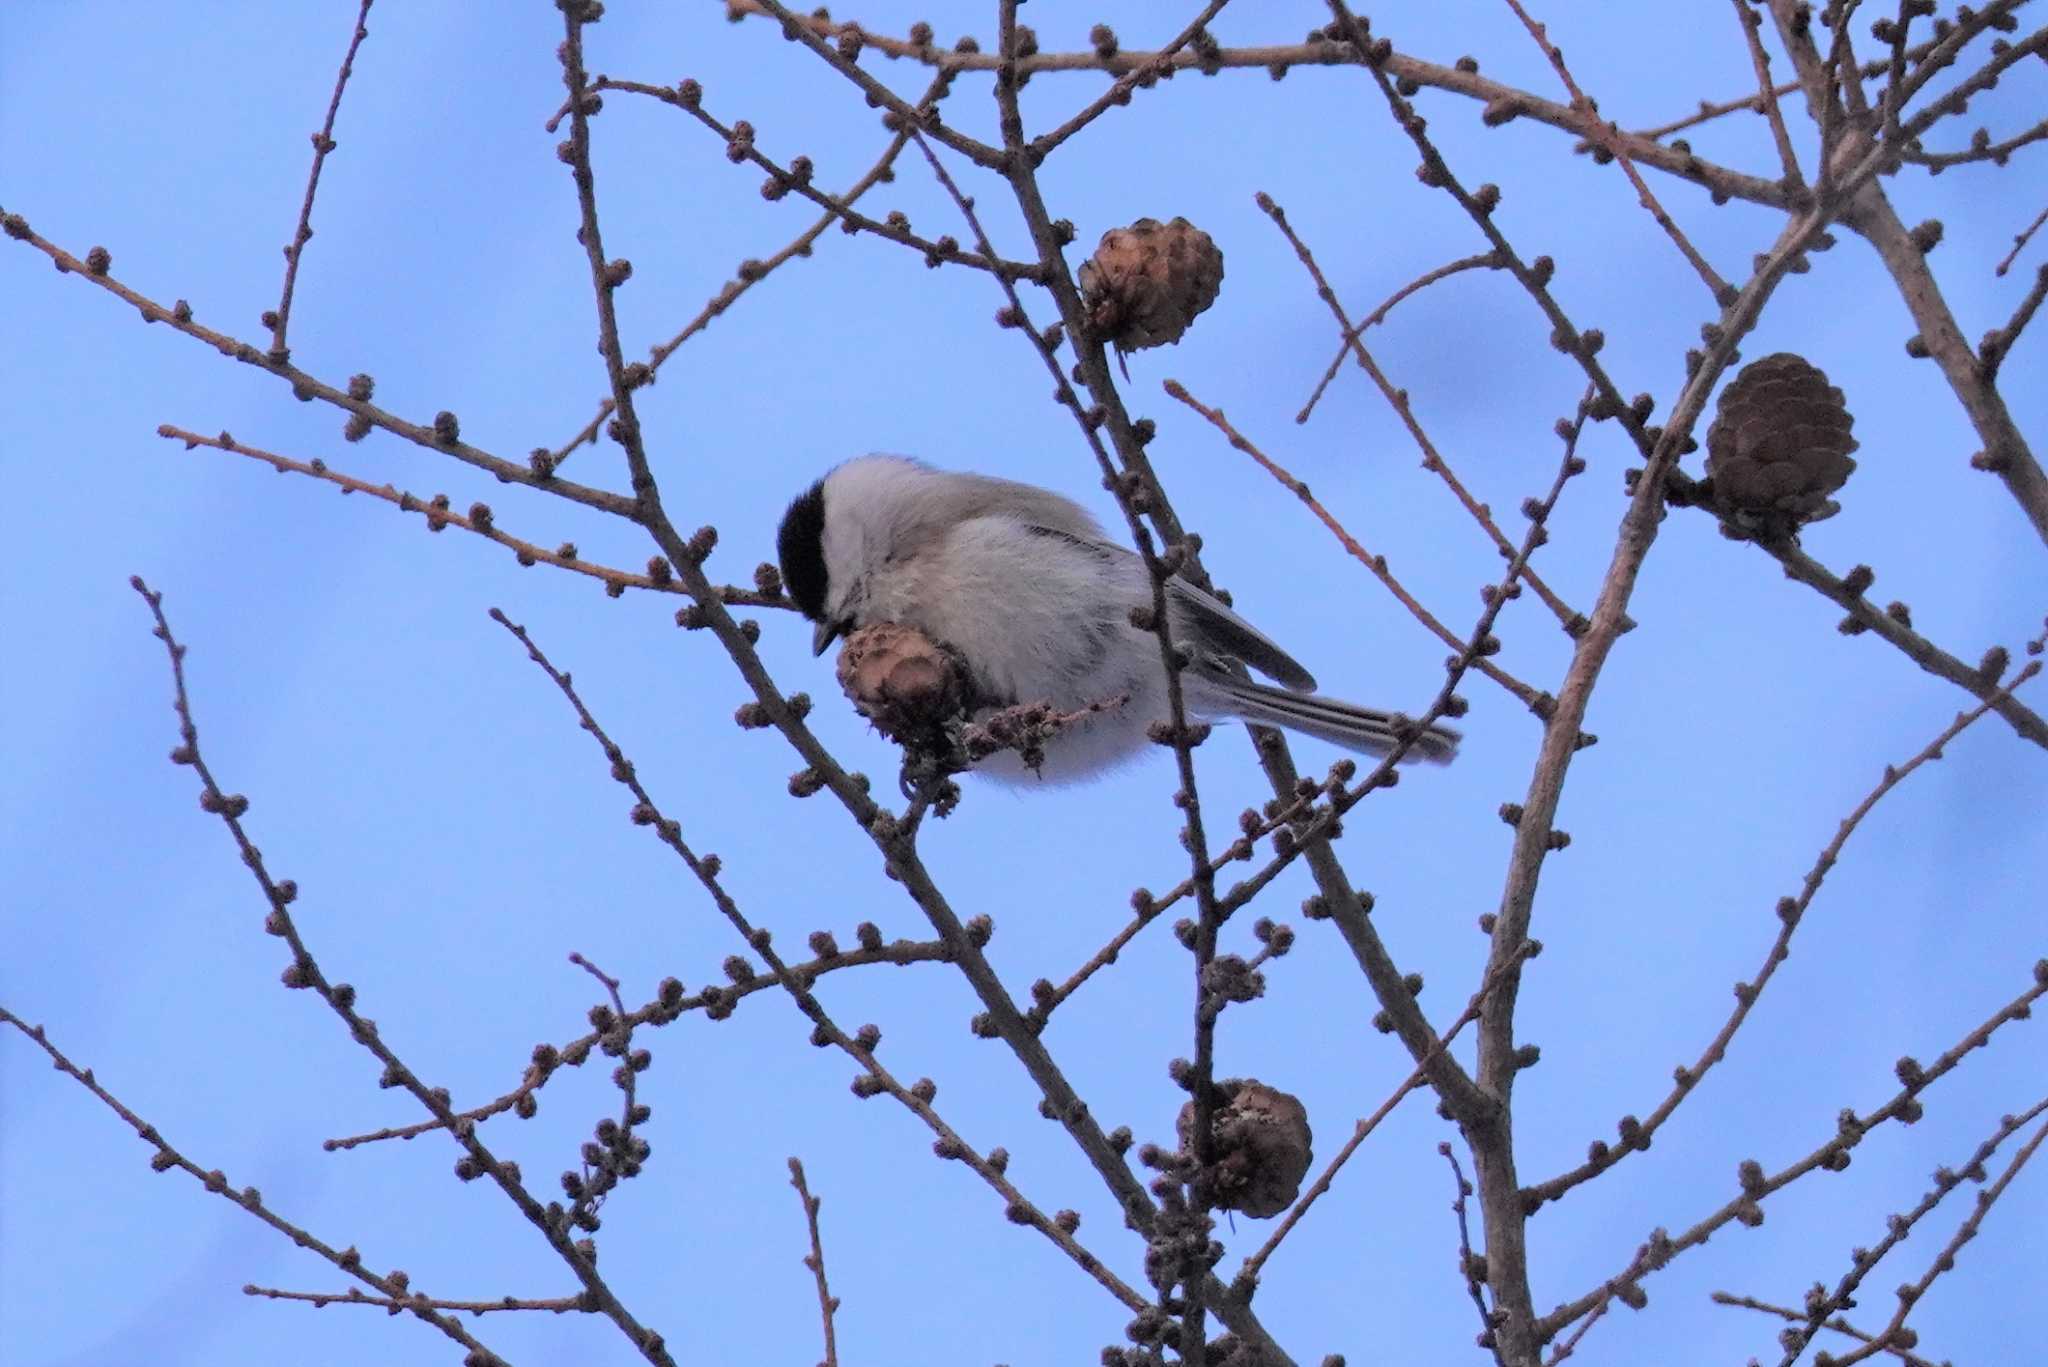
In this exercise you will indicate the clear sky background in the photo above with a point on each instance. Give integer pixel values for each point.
(455, 836)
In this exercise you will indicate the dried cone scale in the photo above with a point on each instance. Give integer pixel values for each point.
(1146, 283)
(1779, 446)
(902, 681)
(1260, 1147)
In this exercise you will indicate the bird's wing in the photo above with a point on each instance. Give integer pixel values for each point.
(1222, 627)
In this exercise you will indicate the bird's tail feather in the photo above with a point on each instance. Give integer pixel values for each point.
(1340, 723)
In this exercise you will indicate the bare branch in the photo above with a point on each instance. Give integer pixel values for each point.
(1432, 459)
(1997, 343)
(1119, 92)
(828, 1304)
(717, 1001)
(2006, 451)
(739, 140)
(323, 143)
(1180, 734)
(1636, 1136)
(1887, 624)
(1322, 51)
(1608, 138)
(1982, 150)
(1767, 94)
(304, 973)
(394, 1286)
(1898, 1227)
(1837, 1324)
(320, 1300)
(1256, 1263)
(1833, 1155)
(1472, 1269)
(753, 272)
(1421, 282)
(442, 435)
(2019, 242)
(1377, 564)
(806, 30)
(859, 1045)
(439, 513)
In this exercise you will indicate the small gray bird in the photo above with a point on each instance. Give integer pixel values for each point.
(1024, 585)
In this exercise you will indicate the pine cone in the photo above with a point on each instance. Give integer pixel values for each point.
(901, 680)
(1261, 1148)
(1146, 283)
(1779, 446)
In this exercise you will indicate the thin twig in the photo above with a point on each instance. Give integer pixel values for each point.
(304, 973)
(323, 143)
(393, 1285)
(1636, 1136)
(808, 31)
(1868, 616)
(685, 554)
(1710, 110)
(1253, 826)
(1472, 1270)
(1569, 1344)
(1897, 1229)
(1432, 459)
(440, 513)
(622, 1153)
(1910, 1294)
(889, 835)
(1954, 101)
(1255, 1264)
(1869, 211)
(1965, 29)
(1134, 476)
(828, 1304)
(1981, 149)
(1767, 94)
(1893, 624)
(1843, 72)
(753, 272)
(2019, 243)
(1837, 1324)
(438, 437)
(717, 1002)
(1119, 92)
(1311, 827)
(1895, 79)
(1609, 138)
(739, 140)
(320, 1300)
(1536, 835)
(1997, 343)
(817, 31)
(1661, 1247)
(874, 1078)
(1182, 736)
(1377, 564)
(1379, 315)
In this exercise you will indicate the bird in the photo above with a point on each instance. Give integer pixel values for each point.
(1038, 603)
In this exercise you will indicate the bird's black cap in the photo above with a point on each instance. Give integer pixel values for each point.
(800, 546)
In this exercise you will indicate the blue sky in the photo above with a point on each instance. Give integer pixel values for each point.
(455, 836)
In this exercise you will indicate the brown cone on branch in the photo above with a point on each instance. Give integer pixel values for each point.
(1146, 283)
(1260, 1147)
(1779, 447)
(908, 685)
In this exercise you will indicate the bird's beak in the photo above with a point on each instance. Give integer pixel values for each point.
(825, 635)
